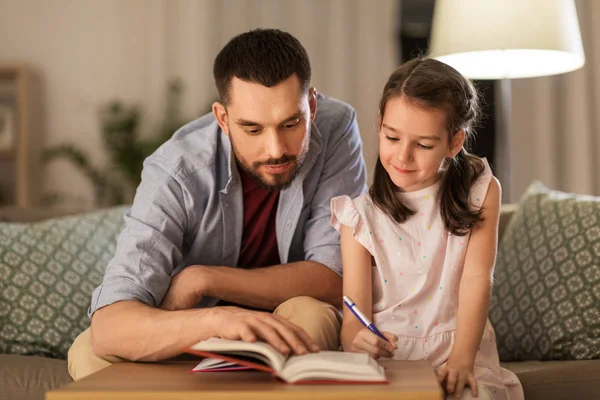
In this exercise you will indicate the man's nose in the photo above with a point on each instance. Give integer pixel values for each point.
(275, 146)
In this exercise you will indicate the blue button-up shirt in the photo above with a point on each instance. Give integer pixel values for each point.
(188, 209)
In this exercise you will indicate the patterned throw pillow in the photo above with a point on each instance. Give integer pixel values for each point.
(545, 303)
(48, 271)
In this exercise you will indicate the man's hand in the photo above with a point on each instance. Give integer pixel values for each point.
(235, 323)
(186, 290)
(366, 341)
(455, 375)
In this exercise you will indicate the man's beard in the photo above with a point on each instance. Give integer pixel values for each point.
(280, 181)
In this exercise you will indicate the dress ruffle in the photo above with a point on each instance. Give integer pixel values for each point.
(344, 212)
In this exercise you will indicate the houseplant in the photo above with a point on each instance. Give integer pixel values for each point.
(115, 183)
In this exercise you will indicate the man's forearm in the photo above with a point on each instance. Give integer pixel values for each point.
(268, 287)
(137, 332)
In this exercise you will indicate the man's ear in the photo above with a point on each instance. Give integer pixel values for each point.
(458, 140)
(312, 103)
(220, 113)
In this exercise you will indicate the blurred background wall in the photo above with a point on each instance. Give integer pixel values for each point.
(86, 53)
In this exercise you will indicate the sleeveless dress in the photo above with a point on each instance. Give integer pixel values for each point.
(415, 281)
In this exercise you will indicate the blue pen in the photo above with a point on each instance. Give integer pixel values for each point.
(362, 318)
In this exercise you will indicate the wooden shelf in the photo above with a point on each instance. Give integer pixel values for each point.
(20, 155)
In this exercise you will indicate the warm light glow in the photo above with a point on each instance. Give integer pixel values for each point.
(497, 39)
(494, 64)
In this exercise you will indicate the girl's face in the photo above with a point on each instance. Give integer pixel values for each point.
(413, 143)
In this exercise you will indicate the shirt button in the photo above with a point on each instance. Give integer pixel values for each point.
(288, 225)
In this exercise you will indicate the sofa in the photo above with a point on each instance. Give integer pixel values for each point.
(49, 265)
(29, 376)
(556, 379)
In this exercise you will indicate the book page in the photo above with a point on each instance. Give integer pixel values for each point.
(215, 364)
(259, 350)
(333, 365)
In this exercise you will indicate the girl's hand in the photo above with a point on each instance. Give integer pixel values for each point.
(456, 374)
(366, 341)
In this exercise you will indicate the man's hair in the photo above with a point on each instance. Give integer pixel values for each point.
(264, 56)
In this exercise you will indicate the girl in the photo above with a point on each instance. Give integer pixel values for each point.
(429, 223)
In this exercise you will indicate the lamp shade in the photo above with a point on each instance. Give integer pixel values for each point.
(496, 39)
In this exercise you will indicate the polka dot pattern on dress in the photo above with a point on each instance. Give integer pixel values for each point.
(418, 266)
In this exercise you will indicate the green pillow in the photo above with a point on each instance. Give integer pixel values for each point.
(48, 271)
(545, 302)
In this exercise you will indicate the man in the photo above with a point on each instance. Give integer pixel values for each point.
(232, 217)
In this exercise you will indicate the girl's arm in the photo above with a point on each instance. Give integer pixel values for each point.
(474, 297)
(356, 261)
(476, 281)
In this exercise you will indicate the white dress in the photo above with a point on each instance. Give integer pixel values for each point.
(415, 281)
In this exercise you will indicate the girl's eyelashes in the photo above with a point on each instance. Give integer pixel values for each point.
(424, 147)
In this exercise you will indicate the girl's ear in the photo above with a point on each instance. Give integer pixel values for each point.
(458, 140)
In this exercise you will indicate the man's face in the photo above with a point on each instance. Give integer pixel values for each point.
(269, 128)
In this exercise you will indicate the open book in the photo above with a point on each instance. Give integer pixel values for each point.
(321, 367)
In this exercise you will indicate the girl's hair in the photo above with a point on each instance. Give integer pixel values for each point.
(433, 85)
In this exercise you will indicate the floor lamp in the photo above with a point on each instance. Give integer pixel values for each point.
(502, 40)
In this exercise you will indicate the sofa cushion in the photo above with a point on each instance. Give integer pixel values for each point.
(558, 380)
(48, 271)
(506, 213)
(547, 279)
(29, 377)
(21, 214)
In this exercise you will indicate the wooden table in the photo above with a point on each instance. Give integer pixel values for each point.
(172, 380)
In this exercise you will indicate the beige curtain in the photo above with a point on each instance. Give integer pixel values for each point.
(555, 121)
(86, 53)
(351, 43)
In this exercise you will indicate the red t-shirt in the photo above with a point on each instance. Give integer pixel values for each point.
(259, 237)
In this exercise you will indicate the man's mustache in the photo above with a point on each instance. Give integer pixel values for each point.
(276, 161)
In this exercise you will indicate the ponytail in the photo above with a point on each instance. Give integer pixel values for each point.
(461, 173)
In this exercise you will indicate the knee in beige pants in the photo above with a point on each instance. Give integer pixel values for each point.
(320, 320)
(82, 361)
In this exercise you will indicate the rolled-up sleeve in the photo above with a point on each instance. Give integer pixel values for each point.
(344, 173)
(150, 245)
